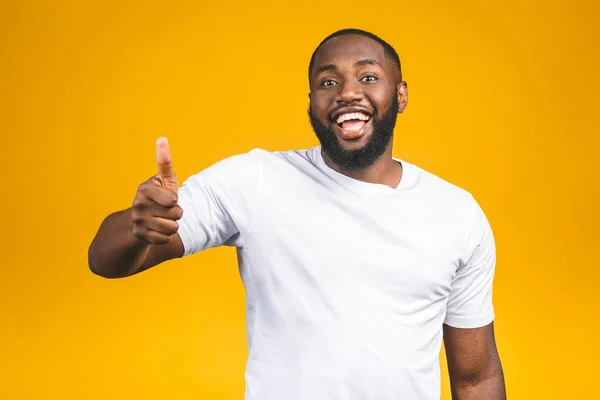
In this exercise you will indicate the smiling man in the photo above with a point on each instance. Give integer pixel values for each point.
(356, 264)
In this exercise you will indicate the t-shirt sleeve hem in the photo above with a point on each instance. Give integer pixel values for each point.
(469, 322)
(186, 240)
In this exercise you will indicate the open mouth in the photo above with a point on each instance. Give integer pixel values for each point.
(352, 125)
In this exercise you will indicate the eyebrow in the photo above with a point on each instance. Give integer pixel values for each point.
(325, 67)
(367, 61)
(330, 67)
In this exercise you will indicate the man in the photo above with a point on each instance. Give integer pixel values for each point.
(356, 264)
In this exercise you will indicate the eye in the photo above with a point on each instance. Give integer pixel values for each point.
(328, 82)
(368, 78)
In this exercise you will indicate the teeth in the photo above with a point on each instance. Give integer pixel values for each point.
(348, 116)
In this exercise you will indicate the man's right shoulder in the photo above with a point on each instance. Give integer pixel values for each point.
(251, 162)
(281, 154)
(275, 158)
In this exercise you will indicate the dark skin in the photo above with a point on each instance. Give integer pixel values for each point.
(145, 234)
(473, 364)
(349, 69)
(353, 69)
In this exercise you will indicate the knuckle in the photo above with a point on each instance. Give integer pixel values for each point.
(139, 233)
(170, 198)
(165, 228)
(178, 212)
(136, 216)
(139, 202)
(173, 228)
(150, 193)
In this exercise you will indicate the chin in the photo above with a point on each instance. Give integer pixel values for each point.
(354, 144)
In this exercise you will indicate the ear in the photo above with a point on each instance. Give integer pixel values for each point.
(402, 96)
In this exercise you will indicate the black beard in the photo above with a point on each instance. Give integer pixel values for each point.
(358, 159)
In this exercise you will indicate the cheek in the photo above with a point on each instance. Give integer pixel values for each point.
(319, 105)
(382, 98)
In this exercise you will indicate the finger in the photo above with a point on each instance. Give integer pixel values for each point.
(143, 233)
(163, 158)
(153, 237)
(153, 209)
(162, 225)
(160, 195)
(172, 213)
(164, 162)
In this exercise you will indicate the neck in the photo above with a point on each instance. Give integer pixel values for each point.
(384, 171)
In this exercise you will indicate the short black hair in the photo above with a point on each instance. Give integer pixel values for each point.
(388, 50)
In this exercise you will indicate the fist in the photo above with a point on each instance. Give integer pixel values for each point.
(155, 211)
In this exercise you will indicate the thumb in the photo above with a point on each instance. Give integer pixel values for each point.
(166, 174)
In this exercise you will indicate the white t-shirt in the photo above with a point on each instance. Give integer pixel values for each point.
(347, 283)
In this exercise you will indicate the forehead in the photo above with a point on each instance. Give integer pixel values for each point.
(347, 49)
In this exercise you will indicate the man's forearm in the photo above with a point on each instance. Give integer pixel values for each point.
(491, 387)
(115, 252)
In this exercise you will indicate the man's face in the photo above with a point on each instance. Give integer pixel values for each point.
(354, 100)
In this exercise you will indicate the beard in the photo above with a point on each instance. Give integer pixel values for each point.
(361, 158)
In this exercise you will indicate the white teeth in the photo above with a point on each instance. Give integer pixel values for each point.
(356, 115)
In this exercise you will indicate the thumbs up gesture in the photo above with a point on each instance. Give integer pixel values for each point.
(155, 211)
(166, 174)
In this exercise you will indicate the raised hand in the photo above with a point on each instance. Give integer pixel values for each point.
(155, 211)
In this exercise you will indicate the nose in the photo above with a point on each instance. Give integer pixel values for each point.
(349, 92)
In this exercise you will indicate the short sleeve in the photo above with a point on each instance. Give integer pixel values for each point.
(219, 203)
(470, 302)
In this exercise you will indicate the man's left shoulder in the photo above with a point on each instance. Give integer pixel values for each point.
(443, 192)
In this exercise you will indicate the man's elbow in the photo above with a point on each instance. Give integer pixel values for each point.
(472, 386)
(476, 378)
(96, 268)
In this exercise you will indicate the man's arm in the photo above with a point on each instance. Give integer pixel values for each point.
(144, 235)
(116, 252)
(473, 364)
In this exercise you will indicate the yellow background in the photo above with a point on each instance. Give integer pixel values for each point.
(503, 102)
